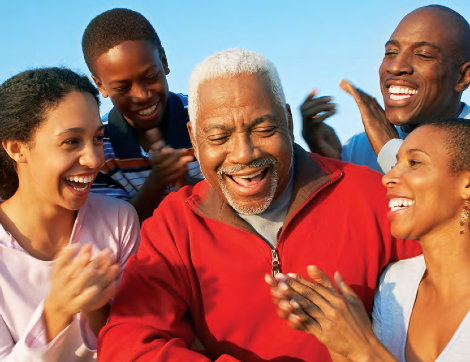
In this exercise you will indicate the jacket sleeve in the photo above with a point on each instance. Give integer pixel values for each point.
(32, 346)
(150, 317)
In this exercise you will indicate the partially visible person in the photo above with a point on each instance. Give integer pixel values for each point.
(421, 309)
(62, 250)
(425, 69)
(266, 205)
(147, 147)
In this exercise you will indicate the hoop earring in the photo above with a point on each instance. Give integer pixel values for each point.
(464, 219)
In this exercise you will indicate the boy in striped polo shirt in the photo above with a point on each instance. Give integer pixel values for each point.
(147, 147)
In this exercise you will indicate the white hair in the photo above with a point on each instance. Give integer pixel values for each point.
(227, 64)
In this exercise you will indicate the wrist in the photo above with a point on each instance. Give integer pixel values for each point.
(374, 351)
(56, 319)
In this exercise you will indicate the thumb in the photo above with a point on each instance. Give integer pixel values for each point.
(318, 276)
(346, 86)
(344, 289)
(153, 135)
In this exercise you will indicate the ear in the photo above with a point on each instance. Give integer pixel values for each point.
(164, 62)
(15, 150)
(290, 123)
(464, 78)
(100, 86)
(193, 140)
(465, 185)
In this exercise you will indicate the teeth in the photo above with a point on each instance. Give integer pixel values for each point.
(393, 89)
(396, 204)
(148, 111)
(396, 97)
(81, 188)
(249, 176)
(81, 179)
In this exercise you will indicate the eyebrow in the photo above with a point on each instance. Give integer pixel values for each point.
(77, 130)
(253, 123)
(418, 44)
(416, 150)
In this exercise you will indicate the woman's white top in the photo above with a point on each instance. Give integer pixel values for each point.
(25, 283)
(394, 301)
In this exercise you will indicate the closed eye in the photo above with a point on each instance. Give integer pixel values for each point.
(218, 139)
(122, 89)
(265, 131)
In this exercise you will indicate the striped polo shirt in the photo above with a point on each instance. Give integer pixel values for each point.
(126, 164)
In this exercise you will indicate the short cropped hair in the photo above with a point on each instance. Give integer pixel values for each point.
(113, 27)
(457, 131)
(230, 63)
(26, 99)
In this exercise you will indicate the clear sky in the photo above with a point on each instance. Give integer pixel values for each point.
(314, 44)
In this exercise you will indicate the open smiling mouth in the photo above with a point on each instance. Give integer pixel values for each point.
(80, 183)
(250, 180)
(148, 111)
(400, 204)
(398, 93)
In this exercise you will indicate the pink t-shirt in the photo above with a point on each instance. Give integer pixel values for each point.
(25, 283)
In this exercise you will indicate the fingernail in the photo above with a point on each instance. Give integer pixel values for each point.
(292, 275)
(283, 286)
(284, 304)
(294, 303)
(294, 316)
(281, 277)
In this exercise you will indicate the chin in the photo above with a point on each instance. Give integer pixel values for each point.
(400, 118)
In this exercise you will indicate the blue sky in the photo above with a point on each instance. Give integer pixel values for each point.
(314, 44)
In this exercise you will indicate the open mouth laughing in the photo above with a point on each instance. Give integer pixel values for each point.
(400, 204)
(80, 183)
(148, 111)
(250, 180)
(398, 93)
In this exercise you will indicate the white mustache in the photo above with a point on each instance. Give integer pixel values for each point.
(261, 162)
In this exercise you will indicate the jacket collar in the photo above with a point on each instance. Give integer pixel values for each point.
(311, 174)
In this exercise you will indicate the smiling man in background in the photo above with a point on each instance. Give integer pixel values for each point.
(425, 69)
(265, 205)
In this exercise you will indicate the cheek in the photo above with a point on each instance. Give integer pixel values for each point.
(210, 157)
(118, 100)
(383, 69)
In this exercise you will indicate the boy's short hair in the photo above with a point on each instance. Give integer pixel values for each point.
(112, 28)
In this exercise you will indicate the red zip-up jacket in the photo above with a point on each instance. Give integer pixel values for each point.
(200, 268)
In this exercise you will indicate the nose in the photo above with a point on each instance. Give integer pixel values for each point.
(400, 64)
(92, 156)
(243, 150)
(140, 92)
(391, 178)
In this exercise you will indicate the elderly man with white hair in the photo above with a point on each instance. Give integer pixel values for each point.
(265, 205)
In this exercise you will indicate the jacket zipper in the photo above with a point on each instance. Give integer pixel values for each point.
(276, 267)
(276, 262)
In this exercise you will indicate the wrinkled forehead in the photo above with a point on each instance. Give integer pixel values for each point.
(243, 91)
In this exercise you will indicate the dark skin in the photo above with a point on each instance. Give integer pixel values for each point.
(336, 316)
(133, 75)
(419, 57)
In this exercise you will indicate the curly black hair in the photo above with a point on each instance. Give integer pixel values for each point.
(112, 28)
(26, 98)
(457, 136)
